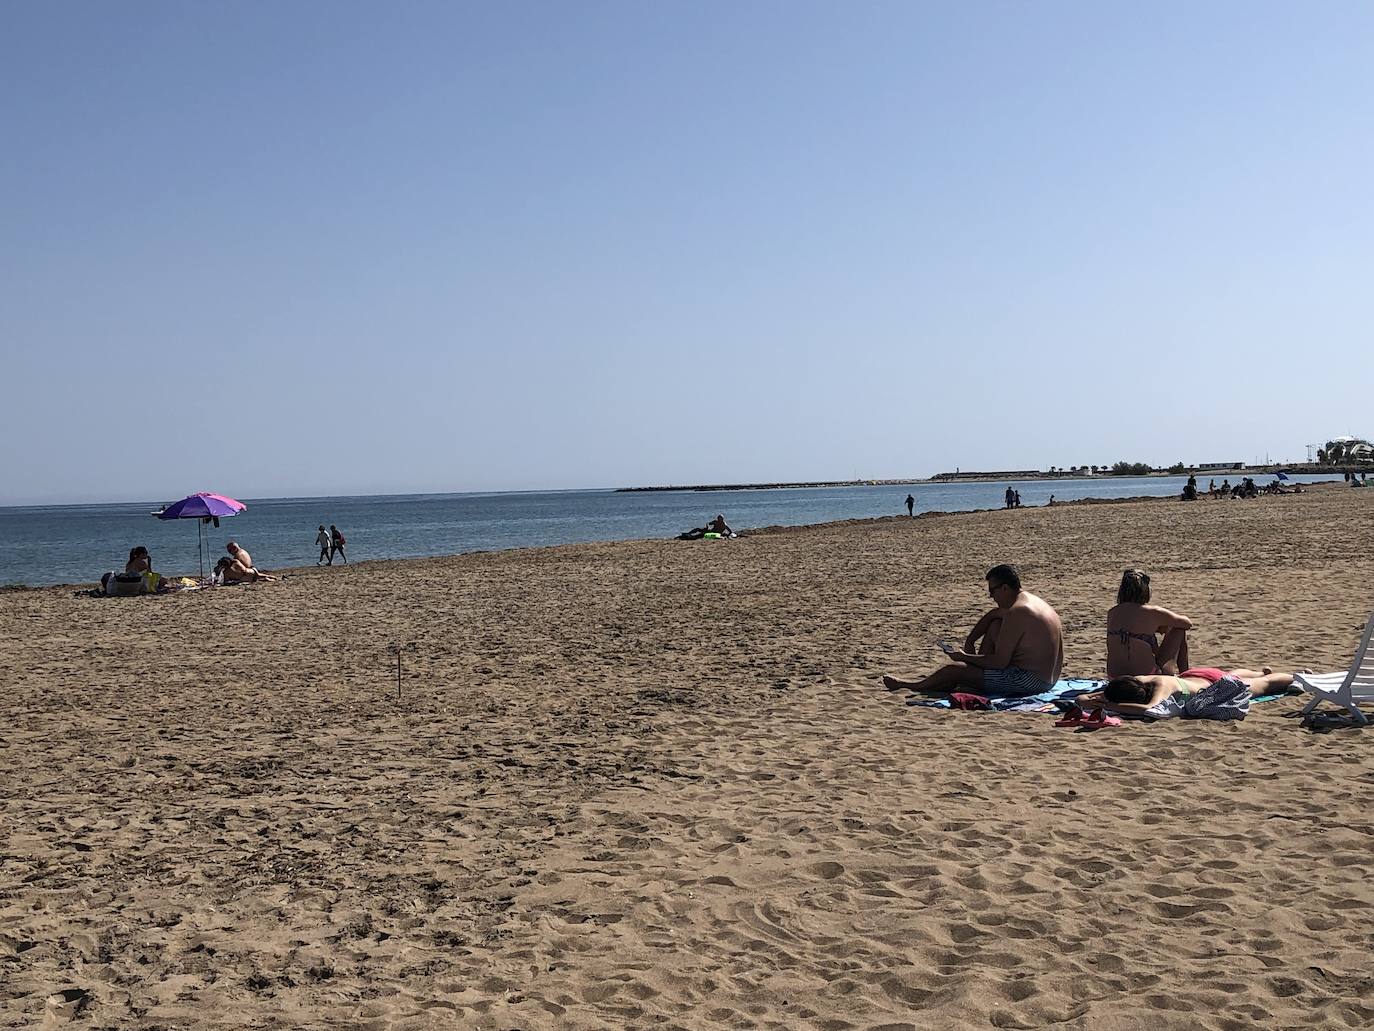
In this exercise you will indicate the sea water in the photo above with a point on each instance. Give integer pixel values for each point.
(76, 543)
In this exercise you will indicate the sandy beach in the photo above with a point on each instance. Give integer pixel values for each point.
(656, 784)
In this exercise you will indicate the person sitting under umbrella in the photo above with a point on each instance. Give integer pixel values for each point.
(239, 568)
(142, 563)
(139, 561)
(138, 576)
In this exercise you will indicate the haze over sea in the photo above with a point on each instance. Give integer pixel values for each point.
(42, 545)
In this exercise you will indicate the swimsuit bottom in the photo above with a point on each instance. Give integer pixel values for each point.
(1013, 682)
(1207, 673)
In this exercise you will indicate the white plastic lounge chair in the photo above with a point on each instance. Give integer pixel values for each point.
(1345, 689)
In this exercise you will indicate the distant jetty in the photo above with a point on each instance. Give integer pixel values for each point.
(1102, 473)
(773, 486)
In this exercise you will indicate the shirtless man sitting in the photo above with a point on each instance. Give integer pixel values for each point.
(1022, 652)
(240, 568)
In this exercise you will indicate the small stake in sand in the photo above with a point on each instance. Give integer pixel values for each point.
(396, 649)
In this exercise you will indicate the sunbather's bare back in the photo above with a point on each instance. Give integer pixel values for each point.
(1145, 639)
(1035, 628)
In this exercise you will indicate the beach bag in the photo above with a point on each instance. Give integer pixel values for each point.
(125, 585)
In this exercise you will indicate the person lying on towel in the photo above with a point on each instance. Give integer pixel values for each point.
(1137, 695)
(717, 527)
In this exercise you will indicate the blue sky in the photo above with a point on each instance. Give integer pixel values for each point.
(302, 249)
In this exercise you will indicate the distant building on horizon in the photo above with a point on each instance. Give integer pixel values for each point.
(1346, 451)
(1204, 466)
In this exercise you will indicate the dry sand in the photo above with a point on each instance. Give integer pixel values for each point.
(655, 784)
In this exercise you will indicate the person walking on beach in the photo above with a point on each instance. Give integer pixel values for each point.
(1011, 498)
(1023, 647)
(326, 546)
(911, 506)
(1016, 499)
(336, 544)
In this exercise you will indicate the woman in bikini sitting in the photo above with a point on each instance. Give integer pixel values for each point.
(141, 562)
(1134, 626)
(1136, 695)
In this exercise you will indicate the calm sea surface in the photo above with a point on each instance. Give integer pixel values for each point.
(76, 543)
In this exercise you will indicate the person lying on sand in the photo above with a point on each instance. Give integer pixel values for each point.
(1023, 650)
(239, 568)
(716, 525)
(1137, 695)
(1133, 647)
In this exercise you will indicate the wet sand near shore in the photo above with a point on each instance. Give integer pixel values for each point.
(657, 784)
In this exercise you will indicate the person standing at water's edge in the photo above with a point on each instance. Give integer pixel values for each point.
(326, 546)
(1025, 658)
(337, 542)
(911, 506)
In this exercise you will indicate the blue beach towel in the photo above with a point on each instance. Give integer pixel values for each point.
(1067, 691)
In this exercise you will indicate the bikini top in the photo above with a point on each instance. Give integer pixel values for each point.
(1126, 637)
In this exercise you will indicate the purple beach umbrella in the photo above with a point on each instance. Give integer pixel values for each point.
(199, 506)
(202, 507)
